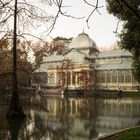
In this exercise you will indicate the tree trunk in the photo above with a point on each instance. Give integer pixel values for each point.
(15, 109)
(15, 126)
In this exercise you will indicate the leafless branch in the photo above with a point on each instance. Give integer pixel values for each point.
(5, 20)
(59, 4)
(117, 27)
(6, 35)
(6, 3)
(95, 8)
(28, 34)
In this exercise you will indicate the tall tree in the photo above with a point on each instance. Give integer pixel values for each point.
(128, 12)
(25, 14)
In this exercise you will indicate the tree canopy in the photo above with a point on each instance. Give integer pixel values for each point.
(128, 12)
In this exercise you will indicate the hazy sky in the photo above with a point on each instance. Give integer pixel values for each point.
(101, 26)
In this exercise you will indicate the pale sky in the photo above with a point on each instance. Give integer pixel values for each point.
(101, 26)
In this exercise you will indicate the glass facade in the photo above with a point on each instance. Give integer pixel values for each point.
(114, 76)
(108, 60)
(111, 72)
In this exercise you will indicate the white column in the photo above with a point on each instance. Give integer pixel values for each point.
(55, 78)
(124, 75)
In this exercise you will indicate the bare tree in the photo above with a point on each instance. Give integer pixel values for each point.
(95, 6)
(64, 72)
(86, 79)
(22, 14)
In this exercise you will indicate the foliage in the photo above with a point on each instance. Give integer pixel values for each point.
(136, 71)
(86, 78)
(29, 58)
(128, 12)
(64, 71)
(59, 45)
(5, 63)
(24, 67)
(39, 50)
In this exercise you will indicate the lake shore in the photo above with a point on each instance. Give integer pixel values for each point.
(131, 133)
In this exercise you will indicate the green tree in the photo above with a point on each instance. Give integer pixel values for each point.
(128, 12)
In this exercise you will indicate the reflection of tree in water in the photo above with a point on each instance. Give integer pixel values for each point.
(15, 126)
(39, 128)
(86, 112)
(93, 113)
(9, 129)
(69, 119)
(55, 129)
(67, 124)
(38, 125)
(58, 126)
(4, 131)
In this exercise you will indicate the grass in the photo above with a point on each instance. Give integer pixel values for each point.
(132, 94)
(131, 134)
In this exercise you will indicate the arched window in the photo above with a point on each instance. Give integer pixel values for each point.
(51, 78)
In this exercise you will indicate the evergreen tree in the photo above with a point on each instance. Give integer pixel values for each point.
(128, 12)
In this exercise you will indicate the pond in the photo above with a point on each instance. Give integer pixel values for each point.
(71, 119)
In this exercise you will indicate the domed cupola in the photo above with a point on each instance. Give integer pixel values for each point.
(82, 49)
(82, 41)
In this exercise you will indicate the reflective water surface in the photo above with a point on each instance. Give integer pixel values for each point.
(71, 119)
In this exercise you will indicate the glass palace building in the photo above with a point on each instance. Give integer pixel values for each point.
(85, 67)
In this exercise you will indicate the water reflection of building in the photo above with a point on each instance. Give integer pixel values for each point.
(80, 119)
(83, 66)
(105, 116)
(118, 113)
(84, 108)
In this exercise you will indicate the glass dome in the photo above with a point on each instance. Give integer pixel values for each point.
(82, 41)
(76, 56)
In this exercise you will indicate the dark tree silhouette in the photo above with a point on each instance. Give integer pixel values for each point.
(15, 109)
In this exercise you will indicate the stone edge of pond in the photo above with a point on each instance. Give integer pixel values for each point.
(117, 132)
